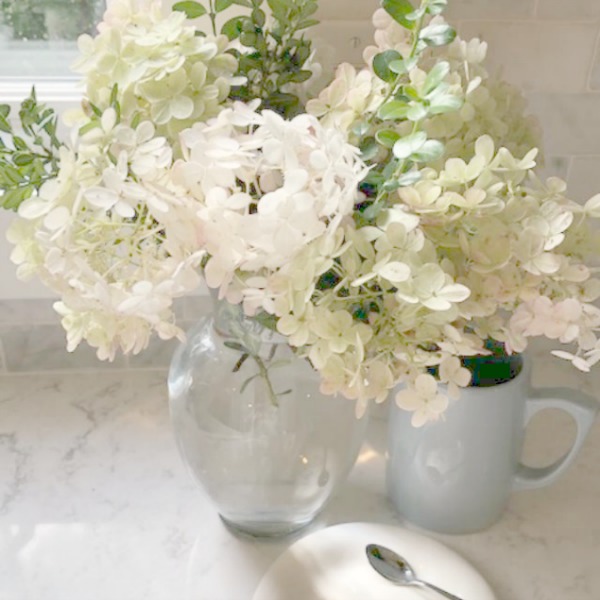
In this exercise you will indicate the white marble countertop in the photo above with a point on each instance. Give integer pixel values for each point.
(95, 503)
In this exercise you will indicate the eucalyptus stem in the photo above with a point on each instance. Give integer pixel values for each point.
(246, 344)
(395, 86)
(213, 16)
(264, 374)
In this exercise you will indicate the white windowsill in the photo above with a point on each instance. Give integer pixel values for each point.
(48, 89)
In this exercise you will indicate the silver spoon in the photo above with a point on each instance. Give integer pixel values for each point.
(395, 568)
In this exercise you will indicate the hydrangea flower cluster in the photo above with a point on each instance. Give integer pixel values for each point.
(457, 240)
(163, 71)
(112, 237)
(391, 229)
(267, 188)
(487, 106)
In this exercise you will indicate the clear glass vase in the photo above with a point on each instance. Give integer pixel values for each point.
(267, 447)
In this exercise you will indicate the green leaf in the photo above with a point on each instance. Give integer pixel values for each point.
(221, 5)
(307, 23)
(381, 65)
(11, 199)
(22, 160)
(5, 125)
(436, 7)
(429, 151)
(412, 93)
(406, 146)
(393, 110)
(368, 148)
(235, 346)
(284, 104)
(360, 128)
(247, 382)
(398, 67)
(192, 9)
(258, 17)
(435, 77)
(391, 185)
(441, 90)
(96, 110)
(293, 77)
(4, 110)
(238, 365)
(444, 104)
(88, 127)
(437, 35)
(233, 28)
(12, 175)
(416, 14)
(20, 144)
(248, 39)
(417, 112)
(387, 137)
(113, 95)
(266, 320)
(373, 211)
(409, 178)
(399, 11)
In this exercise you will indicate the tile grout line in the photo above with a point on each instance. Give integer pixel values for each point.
(3, 364)
(570, 168)
(84, 371)
(595, 58)
(528, 20)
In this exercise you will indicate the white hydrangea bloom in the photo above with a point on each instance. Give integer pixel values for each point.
(112, 239)
(423, 399)
(163, 71)
(266, 189)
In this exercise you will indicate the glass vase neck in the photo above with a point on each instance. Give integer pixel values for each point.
(230, 321)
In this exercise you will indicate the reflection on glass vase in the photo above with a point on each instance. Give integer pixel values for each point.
(268, 448)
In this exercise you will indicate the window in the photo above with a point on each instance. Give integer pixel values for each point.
(38, 37)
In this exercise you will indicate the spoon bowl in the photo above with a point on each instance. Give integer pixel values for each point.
(396, 569)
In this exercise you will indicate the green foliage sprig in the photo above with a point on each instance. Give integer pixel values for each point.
(406, 102)
(28, 152)
(274, 53)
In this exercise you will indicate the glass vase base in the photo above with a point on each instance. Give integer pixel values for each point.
(265, 529)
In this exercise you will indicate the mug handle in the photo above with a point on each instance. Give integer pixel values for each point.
(582, 407)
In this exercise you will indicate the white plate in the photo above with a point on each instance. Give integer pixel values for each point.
(331, 564)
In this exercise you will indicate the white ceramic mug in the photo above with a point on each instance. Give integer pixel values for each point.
(455, 475)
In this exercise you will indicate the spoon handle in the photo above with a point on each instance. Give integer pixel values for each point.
(440, 591)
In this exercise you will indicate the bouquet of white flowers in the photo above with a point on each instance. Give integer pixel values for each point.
(388, 227)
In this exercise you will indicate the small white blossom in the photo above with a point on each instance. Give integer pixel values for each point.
(423, 399)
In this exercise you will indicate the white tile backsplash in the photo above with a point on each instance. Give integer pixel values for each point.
(555, 166)
(342, 41)
(490, 9)
(571, 122)
(594, 81)
(347, 9)
(537, 56)
(584, 177)
(567, 10)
